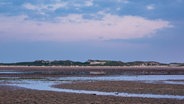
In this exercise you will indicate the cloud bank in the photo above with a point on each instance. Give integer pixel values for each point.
(75, 27)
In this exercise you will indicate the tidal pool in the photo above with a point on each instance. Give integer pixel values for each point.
(14, 72)
(47, 83)
(5, 72)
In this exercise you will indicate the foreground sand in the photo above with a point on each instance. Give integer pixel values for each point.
(24, 96)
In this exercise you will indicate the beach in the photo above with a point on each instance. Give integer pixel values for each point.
(88, 85)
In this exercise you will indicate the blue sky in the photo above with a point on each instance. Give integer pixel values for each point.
(126, 30)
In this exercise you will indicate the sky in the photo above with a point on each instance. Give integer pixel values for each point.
(78, 30)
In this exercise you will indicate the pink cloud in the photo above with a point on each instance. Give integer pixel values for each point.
(75, 28)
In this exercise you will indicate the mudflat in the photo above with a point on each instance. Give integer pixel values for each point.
(11, 95)
(39, 71)
(126, 86)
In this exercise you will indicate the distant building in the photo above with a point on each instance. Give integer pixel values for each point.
(151, 63)
(96, 62)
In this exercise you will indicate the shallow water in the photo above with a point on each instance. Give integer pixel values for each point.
(47, 83)
(14, 72)
(173, 82)
(126, 78)
(5, 72)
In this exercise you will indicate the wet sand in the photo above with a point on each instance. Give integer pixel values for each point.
(11, 95)
(126, 86)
